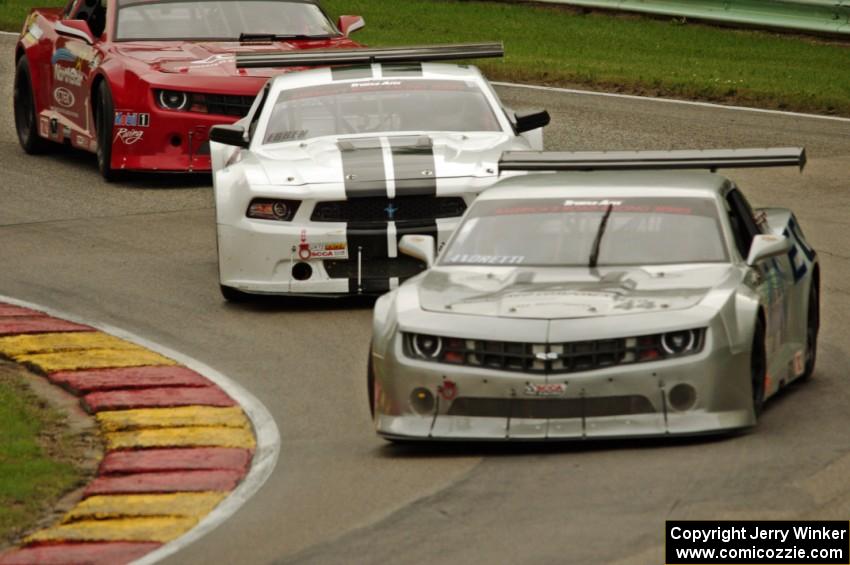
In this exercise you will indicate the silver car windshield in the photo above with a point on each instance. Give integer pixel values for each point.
(220, 20)
(389, 105)
(562, 233)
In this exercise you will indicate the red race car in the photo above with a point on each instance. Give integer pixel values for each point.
(140, 82)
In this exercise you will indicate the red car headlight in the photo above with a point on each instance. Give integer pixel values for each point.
(178, 101)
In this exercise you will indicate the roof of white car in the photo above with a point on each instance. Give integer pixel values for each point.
(379, 72)
(608, 184)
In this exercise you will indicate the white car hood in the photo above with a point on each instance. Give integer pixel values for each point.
(567, 293)
(320, 161)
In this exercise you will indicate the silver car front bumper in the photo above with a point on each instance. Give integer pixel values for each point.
(624, 401)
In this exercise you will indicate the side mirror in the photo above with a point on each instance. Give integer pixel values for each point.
(419, 247)
(75, 28)
(766, 246)
(229, 135)
(349, 24)
(531, 120)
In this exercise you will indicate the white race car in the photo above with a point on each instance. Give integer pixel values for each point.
(600, 304)
(332, 166)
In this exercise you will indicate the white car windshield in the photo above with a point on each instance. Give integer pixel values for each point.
(564, 232)
(388, 105)
(220, 20)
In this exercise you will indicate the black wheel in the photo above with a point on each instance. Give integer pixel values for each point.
(232, 295)
(812, 329)
(104, 114)
(758, 368)
(26, 121)
(371, 383)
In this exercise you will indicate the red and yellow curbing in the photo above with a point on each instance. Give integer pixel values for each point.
(176, 443)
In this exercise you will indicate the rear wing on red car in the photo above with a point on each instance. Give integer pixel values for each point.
(368, 55)
(652, 160)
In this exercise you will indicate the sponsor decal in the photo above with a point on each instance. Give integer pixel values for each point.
(487, 259)
(308, 250)
(448, 390)
(391, 210)
(36, 31)
(33, 35)
(68, 75)
(546, 390)
(129, 136)
(63, 54)
(604, 203)
(64, 97)
(132, 119)
(373, 84)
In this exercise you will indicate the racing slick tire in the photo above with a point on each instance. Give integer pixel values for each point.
(26, 121)
(370, 382)
(104, 113)
(758, 368)
(232, 295)
(812, 329)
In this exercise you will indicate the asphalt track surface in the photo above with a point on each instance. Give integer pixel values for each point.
(141, 255)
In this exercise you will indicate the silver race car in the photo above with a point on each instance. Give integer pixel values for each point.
(610, 299)
(332, 166)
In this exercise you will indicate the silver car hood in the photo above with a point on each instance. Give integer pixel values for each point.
(320, 161)
(552, 293)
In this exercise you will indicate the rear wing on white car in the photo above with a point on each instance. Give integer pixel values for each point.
(368, 55)
(712, 160)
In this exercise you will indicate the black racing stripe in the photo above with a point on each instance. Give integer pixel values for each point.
(402, 70)
(370, 239)
(369, 242)
(363, 169)
(369, 286)
(414, 167)
(351, 73)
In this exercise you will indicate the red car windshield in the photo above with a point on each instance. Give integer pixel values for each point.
(220, 20)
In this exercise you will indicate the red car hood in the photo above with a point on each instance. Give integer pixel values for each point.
(216, 58)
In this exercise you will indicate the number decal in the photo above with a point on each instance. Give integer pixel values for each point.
(798, 263)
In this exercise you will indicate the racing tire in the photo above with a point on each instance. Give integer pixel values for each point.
(812, 330)
(26, 120)
(370, 383)
(104, 114)
(232, 295)
(758, 368)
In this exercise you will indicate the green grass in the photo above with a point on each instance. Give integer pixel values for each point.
(550, 45)
(557, 46)
(34, 472)
(13, 12)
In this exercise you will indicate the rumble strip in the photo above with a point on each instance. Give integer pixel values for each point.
(176, 444)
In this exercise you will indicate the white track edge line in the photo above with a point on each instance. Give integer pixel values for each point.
(265, 428)
(670, 101)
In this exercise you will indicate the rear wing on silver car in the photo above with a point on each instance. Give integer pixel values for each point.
(368, 55)
(652, 160)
